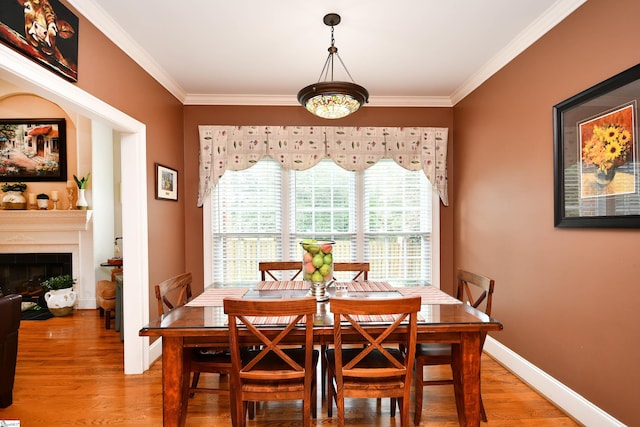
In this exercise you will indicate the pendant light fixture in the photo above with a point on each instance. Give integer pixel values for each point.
(331, 99)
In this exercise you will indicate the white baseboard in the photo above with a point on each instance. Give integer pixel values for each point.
(155, 350)
(562, 396)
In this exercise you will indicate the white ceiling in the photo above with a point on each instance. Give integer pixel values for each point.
(261, 52)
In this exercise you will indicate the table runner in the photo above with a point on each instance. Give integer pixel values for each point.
(278, 285)
(429, 294)
(212, 297)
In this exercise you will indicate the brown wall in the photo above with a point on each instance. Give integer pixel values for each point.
(566, 297)
(109, 74)
(244, 115)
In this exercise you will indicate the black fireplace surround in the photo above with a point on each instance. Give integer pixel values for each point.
(22, 273)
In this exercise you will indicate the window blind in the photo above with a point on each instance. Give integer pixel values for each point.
(382, 215)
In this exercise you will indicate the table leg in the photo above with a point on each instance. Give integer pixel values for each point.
(174, 412)
(466, 378)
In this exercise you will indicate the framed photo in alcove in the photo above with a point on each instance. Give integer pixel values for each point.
(33, 150)
(596, 164)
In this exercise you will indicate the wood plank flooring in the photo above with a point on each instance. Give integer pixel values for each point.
(70, 373)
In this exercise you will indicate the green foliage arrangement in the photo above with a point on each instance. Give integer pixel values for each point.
(82, 182)
(20, 187)
(58, 282)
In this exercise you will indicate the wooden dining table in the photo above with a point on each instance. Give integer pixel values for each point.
(202, 323)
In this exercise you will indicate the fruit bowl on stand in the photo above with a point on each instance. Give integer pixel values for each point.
(317, 266)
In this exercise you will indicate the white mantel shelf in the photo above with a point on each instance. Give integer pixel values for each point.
(44, 220)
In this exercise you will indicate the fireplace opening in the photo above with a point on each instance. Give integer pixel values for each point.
(22, 273)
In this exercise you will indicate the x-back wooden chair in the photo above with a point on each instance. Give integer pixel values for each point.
(379, 369)
(268, 269)
(472, 289)
(175, 292)
(274, 371)
(361, 270)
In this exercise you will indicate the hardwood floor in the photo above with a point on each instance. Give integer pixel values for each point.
(69, 373)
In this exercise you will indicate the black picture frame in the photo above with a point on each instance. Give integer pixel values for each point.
(166, 183)
(57, 48)
(596, 158)
(33, 150)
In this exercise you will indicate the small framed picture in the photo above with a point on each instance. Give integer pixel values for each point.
(166, 183)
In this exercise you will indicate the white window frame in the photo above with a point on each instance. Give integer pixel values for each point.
(207, 242)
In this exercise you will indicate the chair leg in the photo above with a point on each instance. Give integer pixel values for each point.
(483, 414)
(107, 319)
(323, 369)
(393, 407)
(329, 394)
(419, 389)
(194, 383)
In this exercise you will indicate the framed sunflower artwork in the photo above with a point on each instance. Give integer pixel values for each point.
(596, 165)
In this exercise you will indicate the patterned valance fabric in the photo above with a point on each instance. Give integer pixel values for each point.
(225, 148)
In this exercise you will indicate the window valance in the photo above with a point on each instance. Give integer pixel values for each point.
(225, 148)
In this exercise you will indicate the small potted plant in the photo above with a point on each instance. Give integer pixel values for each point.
(60, 296)
(14, 199)
(82, 183)
(43, 201)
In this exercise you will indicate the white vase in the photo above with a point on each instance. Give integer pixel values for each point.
(14, 200)
(60, 301)
(82, 202)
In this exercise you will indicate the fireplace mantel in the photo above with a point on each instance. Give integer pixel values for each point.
(44, 220)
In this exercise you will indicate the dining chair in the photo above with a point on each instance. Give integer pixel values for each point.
(361, 270)
(268, 269)
(273, 371)
(379, 369)
(175, 292)
(472, 289)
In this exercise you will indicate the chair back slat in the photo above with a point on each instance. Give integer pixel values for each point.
(361, 269)
(267, 269)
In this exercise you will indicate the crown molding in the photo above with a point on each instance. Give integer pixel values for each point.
(103, 21)
(519, 44)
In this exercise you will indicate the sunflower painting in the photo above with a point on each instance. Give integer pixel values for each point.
(606, 145)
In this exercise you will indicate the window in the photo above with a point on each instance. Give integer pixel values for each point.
(382, 215)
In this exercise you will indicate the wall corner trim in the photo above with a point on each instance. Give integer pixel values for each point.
(559, 394)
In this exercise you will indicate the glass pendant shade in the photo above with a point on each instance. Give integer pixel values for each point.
(333, 100)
